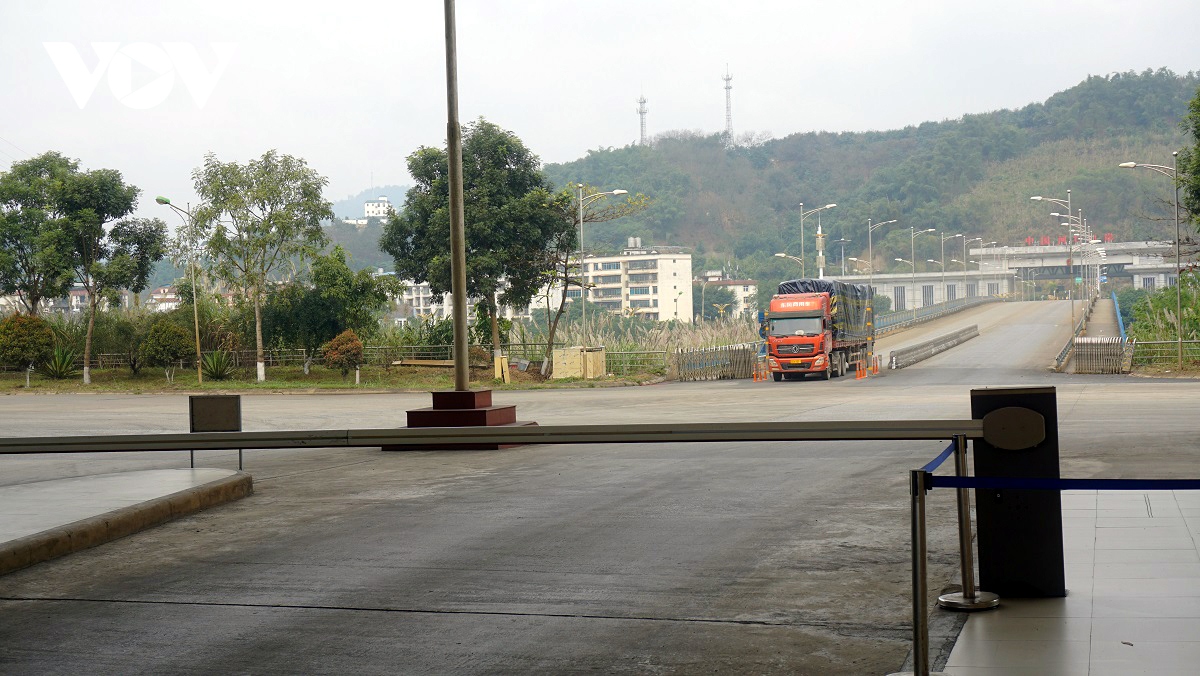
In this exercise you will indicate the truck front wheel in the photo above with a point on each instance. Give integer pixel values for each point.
(824, 375)
(777, 376)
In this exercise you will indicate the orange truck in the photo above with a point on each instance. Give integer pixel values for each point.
(818, 326)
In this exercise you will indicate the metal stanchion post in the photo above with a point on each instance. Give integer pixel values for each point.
(969, 598)
(920, 649)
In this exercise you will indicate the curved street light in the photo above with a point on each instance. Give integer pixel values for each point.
(190, 226)
(583, 201)
(804, 214)
(793, 258)
(1174, 176)
(916, 233)
(858, 262)
(843, 241)
(1070, 250)
(945, 238)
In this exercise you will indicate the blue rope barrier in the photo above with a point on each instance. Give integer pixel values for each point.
(1061, 484)
(937, 462)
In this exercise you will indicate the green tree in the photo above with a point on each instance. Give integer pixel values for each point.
(35, 254)
(512, 220)
(260, 217)
(310, 314)
(712, 296)
(122, 332)
(166, 345)
(1189, 163)
(25, 340)
(107, 257)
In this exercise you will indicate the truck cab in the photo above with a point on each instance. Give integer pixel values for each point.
(798, 335)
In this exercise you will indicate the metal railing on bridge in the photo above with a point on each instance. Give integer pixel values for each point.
(902, 319)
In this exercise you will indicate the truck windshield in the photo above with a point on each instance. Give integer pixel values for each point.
(795, 326)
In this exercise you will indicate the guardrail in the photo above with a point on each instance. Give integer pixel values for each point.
(416, 437)
(894, 321)
(898, 359)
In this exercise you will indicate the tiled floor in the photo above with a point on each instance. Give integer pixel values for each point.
(1133, 603)
(27, 509)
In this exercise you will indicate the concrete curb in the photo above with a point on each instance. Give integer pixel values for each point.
(97, 530)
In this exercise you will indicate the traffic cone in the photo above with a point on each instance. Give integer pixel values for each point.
(860, 373)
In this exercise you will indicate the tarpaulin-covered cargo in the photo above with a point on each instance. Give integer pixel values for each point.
(849, 305)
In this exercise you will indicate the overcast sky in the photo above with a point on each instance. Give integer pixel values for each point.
(354, 87)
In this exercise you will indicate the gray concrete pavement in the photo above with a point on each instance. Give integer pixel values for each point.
(763, 558)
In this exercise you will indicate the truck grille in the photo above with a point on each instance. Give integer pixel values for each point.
(794, 349)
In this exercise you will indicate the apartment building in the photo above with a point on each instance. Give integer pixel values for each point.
(651, 282)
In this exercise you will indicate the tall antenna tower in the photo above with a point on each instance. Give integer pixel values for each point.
(642, 113)
(728, 104)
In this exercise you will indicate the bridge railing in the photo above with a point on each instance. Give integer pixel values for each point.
(903, 319)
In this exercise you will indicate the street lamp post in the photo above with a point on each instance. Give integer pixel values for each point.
(1070, 268)
(914, 279)
(915, 233)
(965, 243)
(858, 262)
(871, 253)
(944, 238)
(190, 226)
(804, 214)
(1174, 175)
(794, 259)
(583, 266)
(843, 241)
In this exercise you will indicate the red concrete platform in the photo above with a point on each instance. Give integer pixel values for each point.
(472, 408)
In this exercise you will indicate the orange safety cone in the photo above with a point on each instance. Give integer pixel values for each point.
(860, 373)
(875, 366)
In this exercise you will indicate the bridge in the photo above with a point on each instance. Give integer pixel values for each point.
(1003, 271)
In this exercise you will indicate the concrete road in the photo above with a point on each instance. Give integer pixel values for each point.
(745, 558)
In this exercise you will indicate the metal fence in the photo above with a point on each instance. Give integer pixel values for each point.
(626, 363)
(1165, 352)
(716, 363)
(1099, 354)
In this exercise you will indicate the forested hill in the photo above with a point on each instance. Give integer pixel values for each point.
(972, 175)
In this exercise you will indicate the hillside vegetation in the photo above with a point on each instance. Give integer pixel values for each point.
(736, 206)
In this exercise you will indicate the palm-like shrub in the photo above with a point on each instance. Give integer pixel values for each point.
(60, 365)
(217, 365)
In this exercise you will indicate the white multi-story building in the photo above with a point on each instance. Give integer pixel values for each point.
(651, 282)
(380, 208)
(743, 290)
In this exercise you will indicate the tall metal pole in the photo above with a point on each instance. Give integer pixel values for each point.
(1071, 266)
(458, 236)
(195, 292)
(913, 253)
(803, 274)
(582, 269)
(1178, 263)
